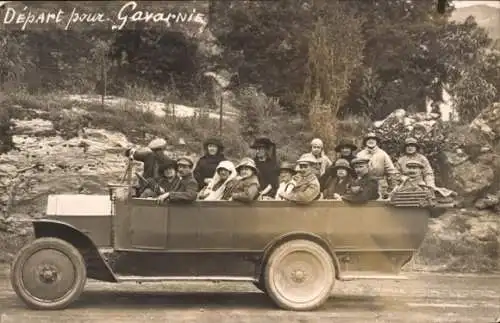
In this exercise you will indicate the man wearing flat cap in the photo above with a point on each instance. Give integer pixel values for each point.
(267, 165)
(412, 154)
(380, 164)
(364, 187)
(305, 183)
(187, 189)
(152, 156)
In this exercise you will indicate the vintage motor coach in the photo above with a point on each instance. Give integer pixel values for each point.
(293, 253)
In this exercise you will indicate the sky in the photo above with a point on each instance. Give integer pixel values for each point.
(463, 3)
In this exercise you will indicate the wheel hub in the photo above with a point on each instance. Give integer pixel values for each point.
(298, 276)
(47, 274)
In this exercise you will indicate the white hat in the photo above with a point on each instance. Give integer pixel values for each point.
(307, 158)
(157, 143)
(317, 142)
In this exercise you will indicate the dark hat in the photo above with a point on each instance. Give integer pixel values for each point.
(262, 142)
(346, 144)
(166, 165)
(342, 163)
(411, 142)
(185, 160)
(370, 135)
(214, 141)
(287, 166)
(360, 161)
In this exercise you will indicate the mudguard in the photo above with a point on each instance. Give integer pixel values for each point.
(97, 267)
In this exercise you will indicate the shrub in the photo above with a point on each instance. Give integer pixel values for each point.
(261, 115)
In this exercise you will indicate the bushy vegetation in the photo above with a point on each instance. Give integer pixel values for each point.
(303, 69)
(450, 245)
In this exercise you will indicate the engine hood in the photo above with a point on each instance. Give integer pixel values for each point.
(64, 205)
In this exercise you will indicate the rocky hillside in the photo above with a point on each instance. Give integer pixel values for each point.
(49, 159)
(486, 16)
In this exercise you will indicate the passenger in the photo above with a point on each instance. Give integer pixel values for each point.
(414, 181)
(318, 153)
(346, 149)
(339, 179)
(413, 178)
(287, 171)
(412, 153)
(187, 190)
(205, 168)
(380, 164)
(152, 156)
(224, 177)
(364, 187)
(167, 182)
(267, 165)
(246, 186)
(306, 184)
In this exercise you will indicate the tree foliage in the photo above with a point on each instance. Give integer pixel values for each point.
(349, 57)
(410, 51)
(330, 68)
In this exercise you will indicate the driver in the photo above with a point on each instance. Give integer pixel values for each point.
(167, 181)
(187, 189)
(151, 156)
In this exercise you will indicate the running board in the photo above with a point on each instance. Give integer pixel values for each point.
(355, 275)
(152, 279)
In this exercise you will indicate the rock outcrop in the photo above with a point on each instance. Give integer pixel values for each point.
(466, 157)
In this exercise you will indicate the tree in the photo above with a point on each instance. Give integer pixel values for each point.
(334, 54)
(413, 52)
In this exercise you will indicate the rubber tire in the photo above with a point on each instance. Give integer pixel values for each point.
(273, 263)
(49, 243)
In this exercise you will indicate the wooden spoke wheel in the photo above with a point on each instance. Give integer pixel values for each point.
(48, 274)
(299, 275)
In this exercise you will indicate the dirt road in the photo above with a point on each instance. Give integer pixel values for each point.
(422, 298)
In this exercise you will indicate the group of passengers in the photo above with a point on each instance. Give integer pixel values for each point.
(355, 176)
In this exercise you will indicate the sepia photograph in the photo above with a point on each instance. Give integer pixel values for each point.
(250, 161)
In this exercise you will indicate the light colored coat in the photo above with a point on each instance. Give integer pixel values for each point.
(213, 191)
(305, 190)
(285, 187)
(380, 163)
(427, 172)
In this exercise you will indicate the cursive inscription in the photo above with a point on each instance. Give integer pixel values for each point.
(128, 13)
(26, 17)
(90, 18)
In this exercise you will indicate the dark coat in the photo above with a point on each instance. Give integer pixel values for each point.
(165, 184)
(336, 186)
(205, 168)
(331, 175)
(244, 190)
(269, 172)
(368, 192)
(152, 161)
(186, 191)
